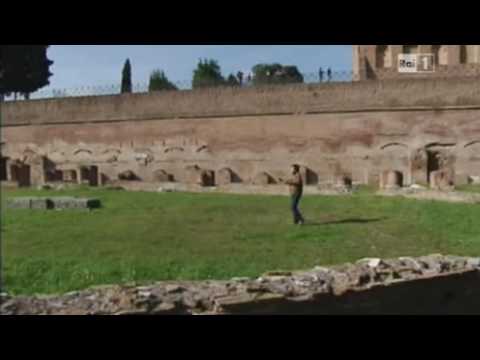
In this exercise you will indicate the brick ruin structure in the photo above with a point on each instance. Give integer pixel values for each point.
(380, 62)
(389, 133)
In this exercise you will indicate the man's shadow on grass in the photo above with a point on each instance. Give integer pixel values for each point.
(345, 221)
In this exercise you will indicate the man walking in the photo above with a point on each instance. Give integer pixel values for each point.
(295, 184)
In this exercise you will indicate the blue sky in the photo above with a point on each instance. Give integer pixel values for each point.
(97, 65)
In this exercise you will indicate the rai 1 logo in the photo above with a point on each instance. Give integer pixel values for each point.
(416, 63)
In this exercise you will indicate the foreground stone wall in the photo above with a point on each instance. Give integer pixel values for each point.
(428, 285)
(248, 136)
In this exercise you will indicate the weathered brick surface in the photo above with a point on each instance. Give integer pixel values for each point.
(359, 130)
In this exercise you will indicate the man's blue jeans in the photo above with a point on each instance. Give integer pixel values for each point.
(297, 216)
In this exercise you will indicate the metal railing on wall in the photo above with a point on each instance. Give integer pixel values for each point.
(139, 88)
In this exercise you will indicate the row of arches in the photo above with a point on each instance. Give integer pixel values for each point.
(419, 163)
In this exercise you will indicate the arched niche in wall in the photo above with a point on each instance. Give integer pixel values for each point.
(82, 155)
(110, 155)
(393, 156)
(393, 145)
(442, 148)
(227, 175)
(472, 144)
(471, 150)
(57, 156)
(30, 156)
(439, 156)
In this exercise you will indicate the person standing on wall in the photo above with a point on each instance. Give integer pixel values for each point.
(295, 184)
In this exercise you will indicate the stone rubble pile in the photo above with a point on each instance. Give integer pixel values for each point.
(266, 294)
(52, 203)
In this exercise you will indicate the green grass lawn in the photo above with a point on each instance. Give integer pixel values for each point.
(152, 236)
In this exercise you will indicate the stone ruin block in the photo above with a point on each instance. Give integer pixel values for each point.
(64, 203)
(69, 203)
(192, 174)
(474, 179)
(419, 166)
(391, 179)
(61, 203)
(41, 204)
(225, 176)
(442, 180)
(19, 203)
(263, 178)
(462, 179)
(88, 203)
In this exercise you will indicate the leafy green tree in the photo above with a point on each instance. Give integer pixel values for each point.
(276, 74)
(127, 77)
(24, 69)
(159, 82)
(207, 74)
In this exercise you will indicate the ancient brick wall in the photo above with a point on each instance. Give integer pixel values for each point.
(268, 100)
(354, 130)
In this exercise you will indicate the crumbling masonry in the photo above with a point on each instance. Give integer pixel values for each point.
(423, 131)
(428, 285)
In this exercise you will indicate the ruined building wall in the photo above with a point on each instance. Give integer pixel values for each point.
(248, 136)
(380, 62)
